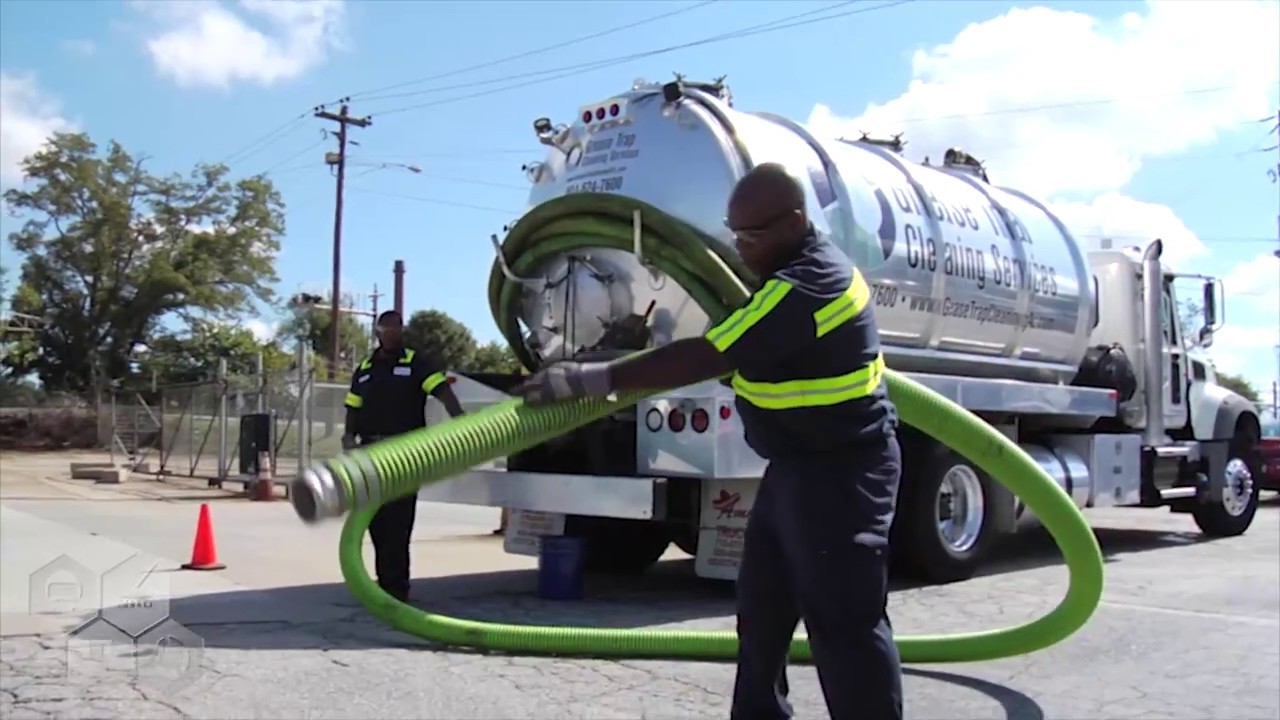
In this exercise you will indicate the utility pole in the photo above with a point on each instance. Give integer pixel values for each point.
(1275, 180)
(373, 298)
(338, 159)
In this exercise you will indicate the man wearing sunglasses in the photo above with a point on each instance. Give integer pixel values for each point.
(804, 353)
(388, 397)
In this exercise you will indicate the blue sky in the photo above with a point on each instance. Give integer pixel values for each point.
(1135, 119)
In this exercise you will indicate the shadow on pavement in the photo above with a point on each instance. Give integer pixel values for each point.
(326, 616)
(1015, 704)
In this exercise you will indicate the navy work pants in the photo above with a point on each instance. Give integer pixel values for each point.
(391, 530)
(813, 551)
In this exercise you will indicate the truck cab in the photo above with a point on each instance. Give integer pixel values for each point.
(1189, 412)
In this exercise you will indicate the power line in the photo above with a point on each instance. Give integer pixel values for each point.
(531, 53)
(437, 201)
(261, 143)
(615, 60)
(785, 23)
(324, 135)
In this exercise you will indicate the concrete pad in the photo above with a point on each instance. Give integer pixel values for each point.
(112, 476)
(88, 470)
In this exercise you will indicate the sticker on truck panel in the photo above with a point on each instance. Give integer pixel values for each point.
(726, 505)
(526, 528)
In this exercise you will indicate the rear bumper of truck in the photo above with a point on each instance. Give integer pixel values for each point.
(632, 498)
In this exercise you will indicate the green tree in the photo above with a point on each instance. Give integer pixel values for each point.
(494, 357)
(312, 325)
(109, 249)
(192, 356)
(1239, 385)
(447, 342)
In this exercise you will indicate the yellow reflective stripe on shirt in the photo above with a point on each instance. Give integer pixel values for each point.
(405, 359)
(433, 381)
(822, 392)
(844, 308)
(724, 335)
(354, 401)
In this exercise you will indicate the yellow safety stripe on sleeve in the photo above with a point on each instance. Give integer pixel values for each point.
(354, 401)
(844, 308)
(433, 381)
(724, 335)
(823, 392)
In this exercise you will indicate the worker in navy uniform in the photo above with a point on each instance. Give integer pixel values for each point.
(388, 397)
(804, 356)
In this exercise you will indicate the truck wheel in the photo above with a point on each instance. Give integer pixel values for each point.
(619, 547)
(944, 530)
(1235, 513)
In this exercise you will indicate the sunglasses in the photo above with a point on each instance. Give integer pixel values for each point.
(755, 233)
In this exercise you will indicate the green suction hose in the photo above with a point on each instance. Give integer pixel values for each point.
(362, 480)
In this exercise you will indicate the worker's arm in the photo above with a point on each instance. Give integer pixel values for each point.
(775, 323)
(436, 382)
(770, 326)
(355, 404)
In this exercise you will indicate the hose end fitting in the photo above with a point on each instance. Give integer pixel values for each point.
(315, 495)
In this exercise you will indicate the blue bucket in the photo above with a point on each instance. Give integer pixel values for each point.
(560, 568)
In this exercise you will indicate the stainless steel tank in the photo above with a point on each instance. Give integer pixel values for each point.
(967, 278)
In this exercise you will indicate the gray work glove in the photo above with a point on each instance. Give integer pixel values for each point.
(348, 441)
(566, 381)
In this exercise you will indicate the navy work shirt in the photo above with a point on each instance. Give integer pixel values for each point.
(803, 335)
(389, 391)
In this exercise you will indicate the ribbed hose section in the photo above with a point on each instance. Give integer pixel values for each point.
(370, 476)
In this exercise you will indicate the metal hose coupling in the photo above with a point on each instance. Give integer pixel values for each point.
(332, 488)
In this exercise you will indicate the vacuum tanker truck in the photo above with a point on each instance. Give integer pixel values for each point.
(981, 294)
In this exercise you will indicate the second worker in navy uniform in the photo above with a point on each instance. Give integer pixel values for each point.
(388, 396)
(804, 354)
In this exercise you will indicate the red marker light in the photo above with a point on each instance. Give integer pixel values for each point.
(614, 110)
(675, 420)
(699, 420)
(451, 379)
(725, 412)
(586, 116)
(599, 113)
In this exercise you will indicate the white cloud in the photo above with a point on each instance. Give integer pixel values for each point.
(261, 329)
(1247, 343)
(1013, 91)
(28, 117)
(1129, 222)
(1060, 104)
(79, 46)
(208, 44)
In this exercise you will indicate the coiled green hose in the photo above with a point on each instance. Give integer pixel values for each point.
(361, 480)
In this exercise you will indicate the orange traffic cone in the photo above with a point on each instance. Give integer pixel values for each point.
(264, 485)
(204, 553)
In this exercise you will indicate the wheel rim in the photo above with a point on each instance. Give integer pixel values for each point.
(960, 509)
(1238, 489)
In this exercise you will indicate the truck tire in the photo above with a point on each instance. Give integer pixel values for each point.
(618, 547)
(1234, 514)
(944, 529)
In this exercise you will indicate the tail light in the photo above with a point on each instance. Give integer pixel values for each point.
(699, 420)
(725, 412)
(675, 421)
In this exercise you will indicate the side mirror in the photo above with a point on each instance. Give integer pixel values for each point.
(1206, 337)
(1210, 306)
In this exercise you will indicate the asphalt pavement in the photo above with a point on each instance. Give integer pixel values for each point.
(1188, 629)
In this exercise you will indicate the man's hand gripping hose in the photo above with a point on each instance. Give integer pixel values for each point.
(359, 481)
